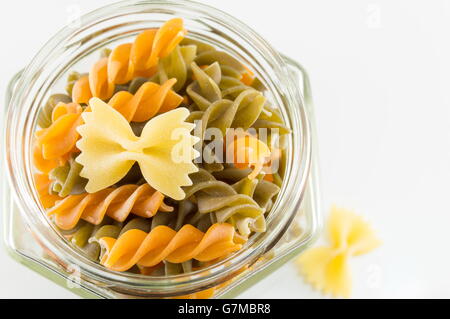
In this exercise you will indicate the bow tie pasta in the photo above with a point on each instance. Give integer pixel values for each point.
(109, 149)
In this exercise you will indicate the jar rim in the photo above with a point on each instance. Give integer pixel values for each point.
(19, 168)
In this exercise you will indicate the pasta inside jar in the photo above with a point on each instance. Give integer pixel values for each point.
(163, 158)
(159, 149)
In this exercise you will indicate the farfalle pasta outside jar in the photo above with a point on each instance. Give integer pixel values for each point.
(293, 222)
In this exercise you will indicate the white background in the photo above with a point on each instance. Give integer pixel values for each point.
(380, 73)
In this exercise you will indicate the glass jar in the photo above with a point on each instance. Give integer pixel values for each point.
(293, 222)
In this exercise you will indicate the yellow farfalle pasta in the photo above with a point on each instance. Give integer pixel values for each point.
(326, 268)
(109, 148)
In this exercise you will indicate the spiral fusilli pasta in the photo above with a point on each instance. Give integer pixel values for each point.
(205, 89)
(116, 203)
(43, 183)
(149, 100)
(45, 114)
(129, 60)
(164, 244)
(262, 191)
(221, 199)
(58, 140)
(176, 65)
(66, 179)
